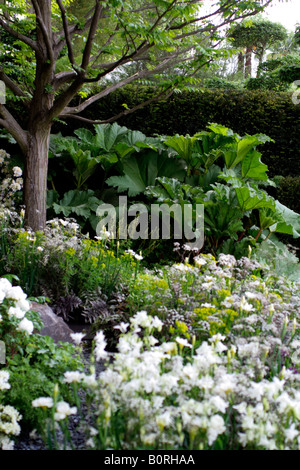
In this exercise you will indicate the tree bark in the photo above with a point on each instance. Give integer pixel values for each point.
(36, 171)
(241, 63)
(248, 64)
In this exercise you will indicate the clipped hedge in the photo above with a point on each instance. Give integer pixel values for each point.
(245, 112)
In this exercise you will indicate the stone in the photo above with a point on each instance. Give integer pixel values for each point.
(54, 326)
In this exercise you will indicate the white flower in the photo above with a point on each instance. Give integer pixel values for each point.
(6, 443)
(244, 305)
(241, 407)
(26, 325)
(199, 261)
(16, 293)
(90, 380)
(15, 186)
(122, 327)
(157, 323)
(103, 235)
(164, 419)
(16, 312)
(64, 223)
(23, 304)
(4, 376)
(183, 342)
(42, 402)
(5, 285)
(17, 171)
(218, 403)
(250, 295)
(77, 337)
(63, 410)
(73, 377)
(227, 260)
(100, 346)
(215, 428)
(141, 319)
(291, 433)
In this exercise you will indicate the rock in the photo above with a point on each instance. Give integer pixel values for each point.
(54, 326)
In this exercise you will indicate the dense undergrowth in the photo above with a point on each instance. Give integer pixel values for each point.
(200, 344)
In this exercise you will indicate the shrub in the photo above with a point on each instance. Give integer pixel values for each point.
(34, 362)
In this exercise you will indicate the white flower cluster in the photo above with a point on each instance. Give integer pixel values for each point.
(20, 305)
(133, 254)
(62, 408)
(9, 184)
(9, 417)
(140, 381)
(164, 396)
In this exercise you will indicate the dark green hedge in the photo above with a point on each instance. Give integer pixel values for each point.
(246, 112)
(249, 112)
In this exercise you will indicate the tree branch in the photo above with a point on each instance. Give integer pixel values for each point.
(63, 77)
(45, 33)
(161, 95)
(11, 125)
(19, 36)
(91, 36)
(67, 33)
(114, 87)
(14, 87)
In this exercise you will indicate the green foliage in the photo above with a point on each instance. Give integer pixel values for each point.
(258, 32)
(246, 112)
(34, 362)
(230, 209)
(81, 203)
(217, 83)
(141, 171)
(35, 371)
(187, 169)
(276, 74)
(276, 256)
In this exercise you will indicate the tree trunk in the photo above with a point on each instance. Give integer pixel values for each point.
(35, 185)
(241, 64)
(248, 64)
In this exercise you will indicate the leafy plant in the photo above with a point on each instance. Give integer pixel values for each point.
(141, 171)
(233, 209)
(83, 204)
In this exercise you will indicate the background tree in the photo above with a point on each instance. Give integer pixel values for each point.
(69, 50)
(255, 37)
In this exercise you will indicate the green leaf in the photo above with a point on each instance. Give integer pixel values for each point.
(52, 197)
(184, 146)
(141, 171)
(81, 203)
(85, 166)
(108, 135)
(289, 221)
(250, 198)
(252, 167)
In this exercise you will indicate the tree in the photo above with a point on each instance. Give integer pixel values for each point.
(108, 35)
(255, 36)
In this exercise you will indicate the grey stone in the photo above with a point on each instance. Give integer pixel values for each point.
(54, 326)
